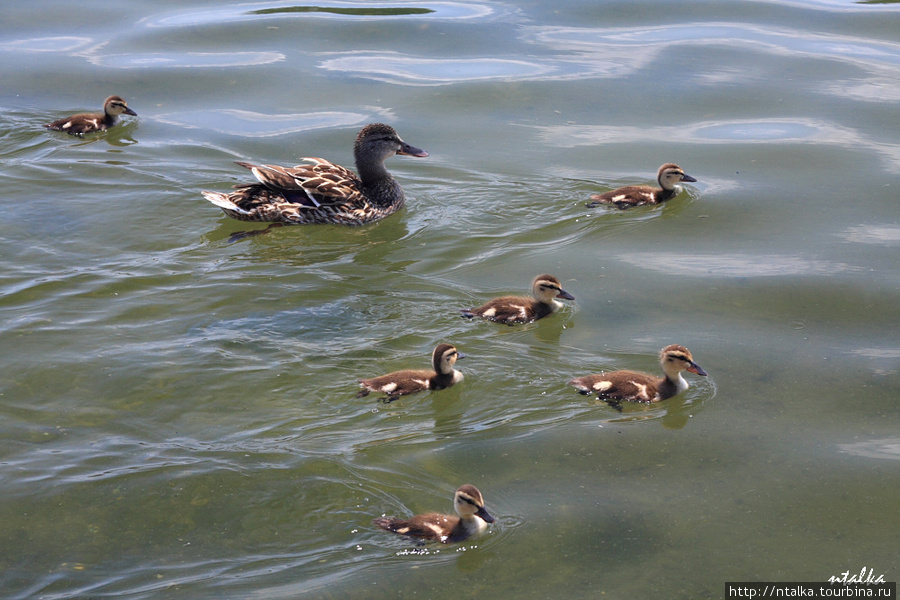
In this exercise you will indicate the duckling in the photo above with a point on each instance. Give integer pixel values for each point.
(401, 383)
(91, 122)
(637, 195)
(518, 309)
(323, 192)
(631, 386)
(473, 519)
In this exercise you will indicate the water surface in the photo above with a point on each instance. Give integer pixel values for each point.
(177, 412)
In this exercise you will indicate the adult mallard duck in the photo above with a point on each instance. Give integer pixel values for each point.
(520, 309)
(632, 386)
(323, 192)
(473, 519)
(668, 176)
(91, 122)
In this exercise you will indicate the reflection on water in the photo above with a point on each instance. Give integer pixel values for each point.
(403, 70)
(881, 235)
(244, 12)
(779, 41)
(345, 10)
(734, 265)
(762, 131)
(888, 448)
(252, 124)
(673, 414)
(883, 361)
(181, 60)
(726, 132)
(178, 414)
(47, 44)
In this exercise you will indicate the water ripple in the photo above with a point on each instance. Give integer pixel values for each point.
(743, 131)
(321, 10)
(404, 70)
(247, 123)
(645, 43)
(181, 60)
(735, 131)
(733, 265)
(884, 448)
(46, 44)
(880, 235)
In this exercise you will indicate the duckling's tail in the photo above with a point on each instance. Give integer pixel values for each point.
(467, 313)
(388, 523)
(222, 201)
(580, 385)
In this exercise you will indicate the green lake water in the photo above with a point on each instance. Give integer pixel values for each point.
(177, 411)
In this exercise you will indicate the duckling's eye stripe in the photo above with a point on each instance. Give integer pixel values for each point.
(469, 500)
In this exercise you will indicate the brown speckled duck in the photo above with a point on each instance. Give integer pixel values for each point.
(400, 383)
(91, 122)
(323, 192)
(669, 176)
(473, 519)
(632, 386)
(519, 309)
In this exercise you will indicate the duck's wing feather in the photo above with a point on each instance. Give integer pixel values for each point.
(317, 184)
(631, 195)
(630, 386)
(507, 309)
(400, 383)
(431, 526)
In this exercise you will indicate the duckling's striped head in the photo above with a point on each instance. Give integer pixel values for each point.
(676, 358)
(444, 357)
(547, 287)
(468, 502)
(115, 106)
(670, 175)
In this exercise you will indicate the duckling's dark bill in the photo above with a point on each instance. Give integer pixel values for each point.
(485, 515)
(695, 368)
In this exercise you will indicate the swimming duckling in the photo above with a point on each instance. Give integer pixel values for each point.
(669, 176)
(473, 519)
(401, 383)
(519, 309)
(91, 122)
(631, 386)
(323, 192)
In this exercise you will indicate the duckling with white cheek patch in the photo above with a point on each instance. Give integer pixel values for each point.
(91, 122)
(400, 383)
(519, 309)
(669, 176)
(473, 520)
(632, 386)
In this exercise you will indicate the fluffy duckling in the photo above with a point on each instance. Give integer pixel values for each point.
(669, 176)
(631, 386)
(401, 383)
(323, 192)
(91, 122)
(519, 309)
(473, 519)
